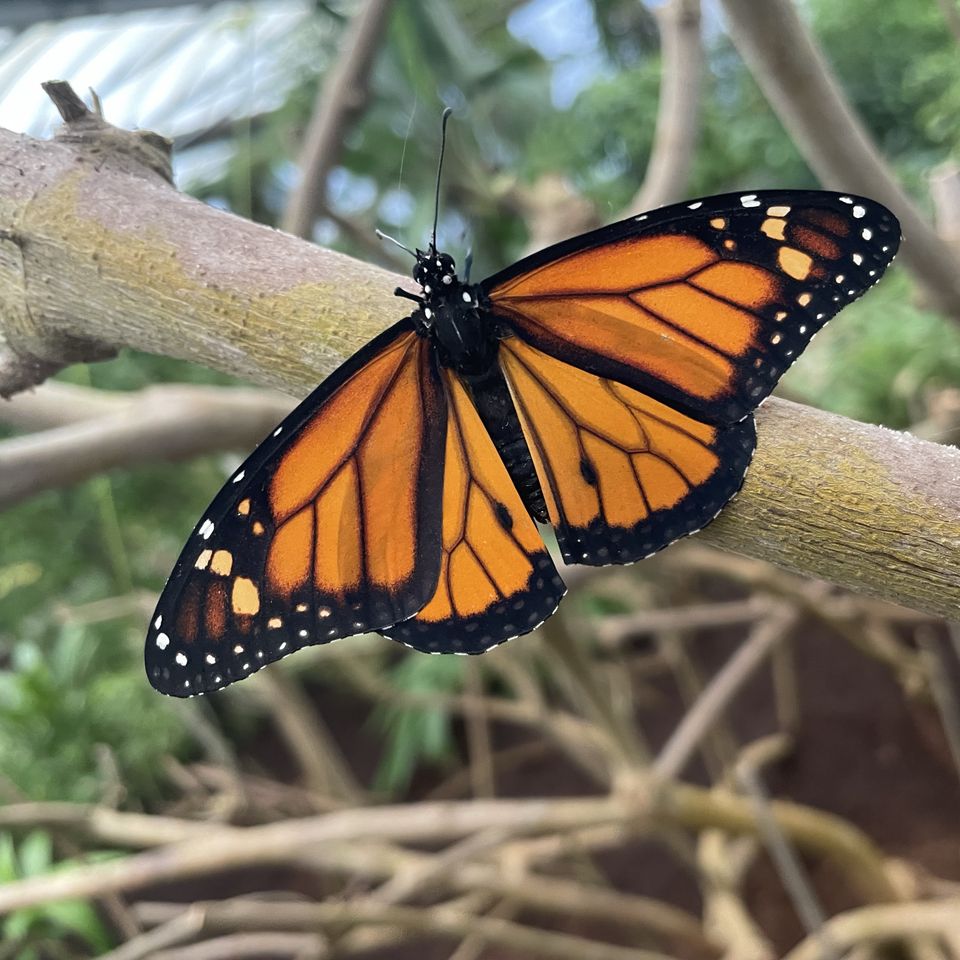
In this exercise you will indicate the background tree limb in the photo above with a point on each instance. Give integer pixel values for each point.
(791, 71)
(678, 112)
(341, 98)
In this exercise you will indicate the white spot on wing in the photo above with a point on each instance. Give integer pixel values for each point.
(859, 211)
(163, 641)
(206, 529)
(181, 658)
(158, 621)
(695, 206)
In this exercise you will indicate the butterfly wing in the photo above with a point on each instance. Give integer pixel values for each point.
(497, 580)
(330, 527)
(700, 305)
(622, 474)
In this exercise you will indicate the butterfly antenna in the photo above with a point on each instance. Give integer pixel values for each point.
(384, 236)
(443, 144)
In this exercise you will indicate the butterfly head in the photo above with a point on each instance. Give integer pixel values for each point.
(435, 272)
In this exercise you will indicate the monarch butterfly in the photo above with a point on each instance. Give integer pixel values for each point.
(604, 385)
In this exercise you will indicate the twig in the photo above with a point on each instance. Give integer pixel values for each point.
(722, 861)
(674, 140)
(460, 783)
(341, 97)
(566, 658)
(726, 683)
(787, 863)
(884, 924)
(297, 946)
(793, 74)
(479, 743)
(324, 767)
(952, 16)
(583, 743)
(718, 746)
(944, 695)
(472, 947)
(185, 926)
(437, 921)
(404, 884)
(614, 630)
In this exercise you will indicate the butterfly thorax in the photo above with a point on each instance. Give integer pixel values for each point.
(455, 316)
(452, 316)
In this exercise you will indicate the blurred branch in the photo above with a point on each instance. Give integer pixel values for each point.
(674, 140)
(246, 914)
(794, 76)
(703, 716)
(324, 768)
(951, 16)
(276, 944)
(202, 849)
(161, 423)
(341, 97)
(883, 925)
(184, 926)
(722, 862)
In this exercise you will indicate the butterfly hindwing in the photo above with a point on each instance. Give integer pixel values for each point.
(496, 577)
(330, 528)
(623, 475)
(701, 305)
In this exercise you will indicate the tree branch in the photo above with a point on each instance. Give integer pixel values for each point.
(342, 95)
(794, 76)
(674, 140)
(162, 423)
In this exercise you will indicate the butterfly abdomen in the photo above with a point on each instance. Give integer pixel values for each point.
(492, 400)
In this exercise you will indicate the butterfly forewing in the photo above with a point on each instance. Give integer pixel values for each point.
(700, 305)
(496, 577)
(329, 529)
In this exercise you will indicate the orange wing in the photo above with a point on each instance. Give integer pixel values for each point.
(622, 474)
(330, 528)
(701, 305)
(497, 580)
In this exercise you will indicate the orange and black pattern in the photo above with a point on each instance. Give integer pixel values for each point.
(702, 305)
(623, 475)
(328, 530)
(496, 577)
(605, 385)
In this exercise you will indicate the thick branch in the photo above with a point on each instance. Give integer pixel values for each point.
(341, 97)
(801, 88)
(674, 140)
(106, 256)
(126, 261)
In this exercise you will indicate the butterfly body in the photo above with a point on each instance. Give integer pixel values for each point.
(605, 386)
